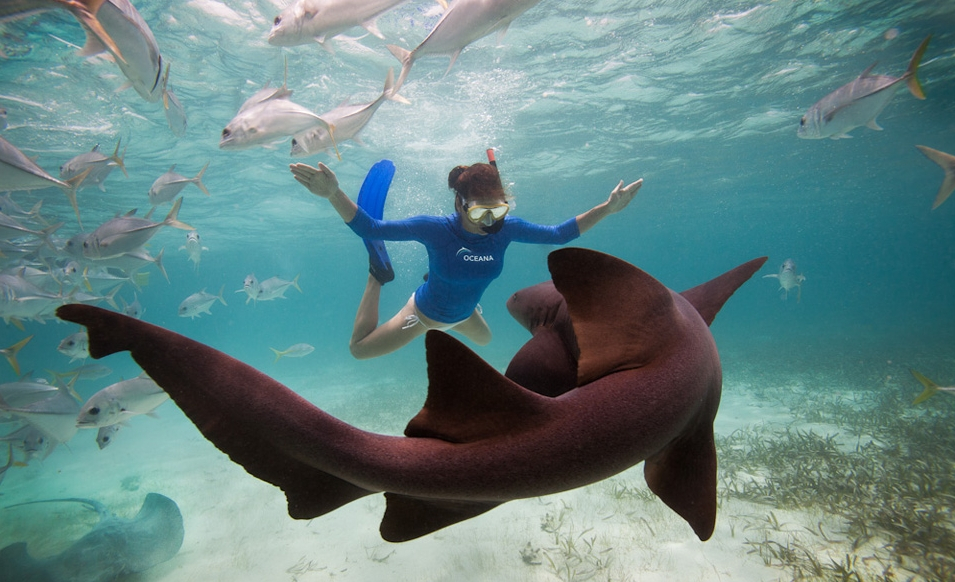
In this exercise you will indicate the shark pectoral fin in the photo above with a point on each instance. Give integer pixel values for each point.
(684, 477)
(407, 518)
(468, 400)
(709, 297)
(252, 418)
(616, 338)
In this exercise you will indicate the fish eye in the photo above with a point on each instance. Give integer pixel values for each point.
(106, 439)
(95, 410)
(803, 120)
(226, 132)
(277, 21)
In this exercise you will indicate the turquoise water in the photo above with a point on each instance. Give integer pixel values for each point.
(701, 99)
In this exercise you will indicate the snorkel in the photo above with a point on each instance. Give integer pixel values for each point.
(488, 224)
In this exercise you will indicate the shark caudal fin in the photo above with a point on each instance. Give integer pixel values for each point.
(610, 340)
(468, 401)
(244, 413)
(947, 163)
(709, 297)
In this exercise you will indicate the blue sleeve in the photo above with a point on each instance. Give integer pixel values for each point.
(528, 232)
(415, 228)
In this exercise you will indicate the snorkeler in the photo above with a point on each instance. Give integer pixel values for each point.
(465, 253)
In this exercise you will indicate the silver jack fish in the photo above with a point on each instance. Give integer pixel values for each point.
(788, 279)
(141, 62)
(347, 120)
(199, 303)
(193, 247)
(99, 166)
(465, 22)
(858, 103)
(295, 351)
(85, 11)
(127, 234)
(273, 120)
(18, 172)
(947, 163)
(121, 401)
(170, 184)
(320, 20)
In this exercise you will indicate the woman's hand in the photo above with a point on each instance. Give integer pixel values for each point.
(622, 195)
(320, 181)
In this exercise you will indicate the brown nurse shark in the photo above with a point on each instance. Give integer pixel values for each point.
(648, 387)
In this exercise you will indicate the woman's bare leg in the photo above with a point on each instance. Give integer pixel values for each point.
(370, 340)
(475, 329)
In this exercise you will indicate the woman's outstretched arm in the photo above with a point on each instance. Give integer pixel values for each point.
(618, 200)
(322, 182)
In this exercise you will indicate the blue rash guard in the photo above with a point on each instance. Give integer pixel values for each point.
(461, 264)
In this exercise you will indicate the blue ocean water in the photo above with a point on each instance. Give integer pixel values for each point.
(700, 99)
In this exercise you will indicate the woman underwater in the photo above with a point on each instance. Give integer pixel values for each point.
(465, 253)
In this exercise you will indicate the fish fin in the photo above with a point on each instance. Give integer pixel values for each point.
(454, 57)
(172, 219)
(372, 27)
(931, 388)
(220, 297)
(868, 70)
(947, 163)
(774, 276)
(468, 400)
(123, 87)
(389, 91)
(873, 124)
(612, 340)
(684, 477)
(74, 185)
(443, 4)
(709, 297)
(244, 413)
(278, 354)
(407, 518)
(295, 283)
(406, 58)
(86, 13)
(119, 159)
(198, 178)
(326, 43)
(10, 353)
(911, 73)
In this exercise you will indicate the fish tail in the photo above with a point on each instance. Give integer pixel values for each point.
(10, 354)
(390, 92)
(46, 232)
(74, 185)
(278, 354)
(931, 388)
(85, 12)
(172, 219)
(198, 179)
(407, 59)
(220, 297)
(947, 163)
(295, 283)
(158, 262)
(915, 88)
(120, 159)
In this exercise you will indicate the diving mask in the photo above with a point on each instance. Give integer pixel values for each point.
(486, 214)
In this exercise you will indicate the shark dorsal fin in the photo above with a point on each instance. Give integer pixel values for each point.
(621, 315)
(469, 400)
(709, 297)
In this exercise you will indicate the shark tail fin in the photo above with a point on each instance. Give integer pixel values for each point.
(947, 163)
(218, 397)
(931, 388)
(709, 297)
(915, 88)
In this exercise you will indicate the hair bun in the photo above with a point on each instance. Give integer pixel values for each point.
(454, 175)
